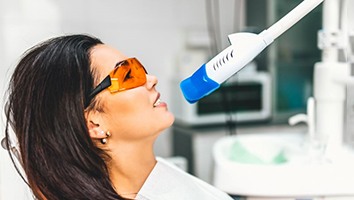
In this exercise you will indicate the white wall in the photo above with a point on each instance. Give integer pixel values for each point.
(151, 30)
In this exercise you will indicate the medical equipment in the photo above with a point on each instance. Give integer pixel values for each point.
(251, 103)
(328, 171)
(244, 47)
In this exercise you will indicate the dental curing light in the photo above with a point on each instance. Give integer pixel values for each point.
(243, 49)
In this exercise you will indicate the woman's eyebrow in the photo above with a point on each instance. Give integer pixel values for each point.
(119, 63)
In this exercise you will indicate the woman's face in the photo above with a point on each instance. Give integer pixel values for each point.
(131, 114)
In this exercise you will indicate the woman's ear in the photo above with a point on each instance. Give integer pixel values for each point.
(93, 126)
(95, 131)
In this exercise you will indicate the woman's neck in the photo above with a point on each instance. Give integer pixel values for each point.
(130, 166)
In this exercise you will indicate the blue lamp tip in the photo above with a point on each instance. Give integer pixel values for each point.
(198, 85)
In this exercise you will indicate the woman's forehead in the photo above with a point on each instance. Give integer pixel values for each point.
(104, 58)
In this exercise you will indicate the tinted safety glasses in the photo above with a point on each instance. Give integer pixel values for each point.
(127, 74)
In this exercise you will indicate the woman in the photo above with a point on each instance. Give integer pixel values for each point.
(86, 118)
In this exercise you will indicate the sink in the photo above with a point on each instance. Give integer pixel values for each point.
(280, 165)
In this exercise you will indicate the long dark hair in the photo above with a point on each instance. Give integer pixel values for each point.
(46, 104)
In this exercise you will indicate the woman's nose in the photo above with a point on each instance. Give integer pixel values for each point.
(151, 81)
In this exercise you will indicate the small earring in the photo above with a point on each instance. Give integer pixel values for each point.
(108, 134)
(104, 140)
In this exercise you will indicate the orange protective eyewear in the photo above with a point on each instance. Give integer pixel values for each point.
(127, 74)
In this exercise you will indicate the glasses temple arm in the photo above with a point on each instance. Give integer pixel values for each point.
(103, 85)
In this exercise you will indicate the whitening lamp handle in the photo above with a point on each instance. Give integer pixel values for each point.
(244, 48)
(231, 60)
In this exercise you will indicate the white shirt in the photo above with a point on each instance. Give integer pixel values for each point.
(167, 182)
